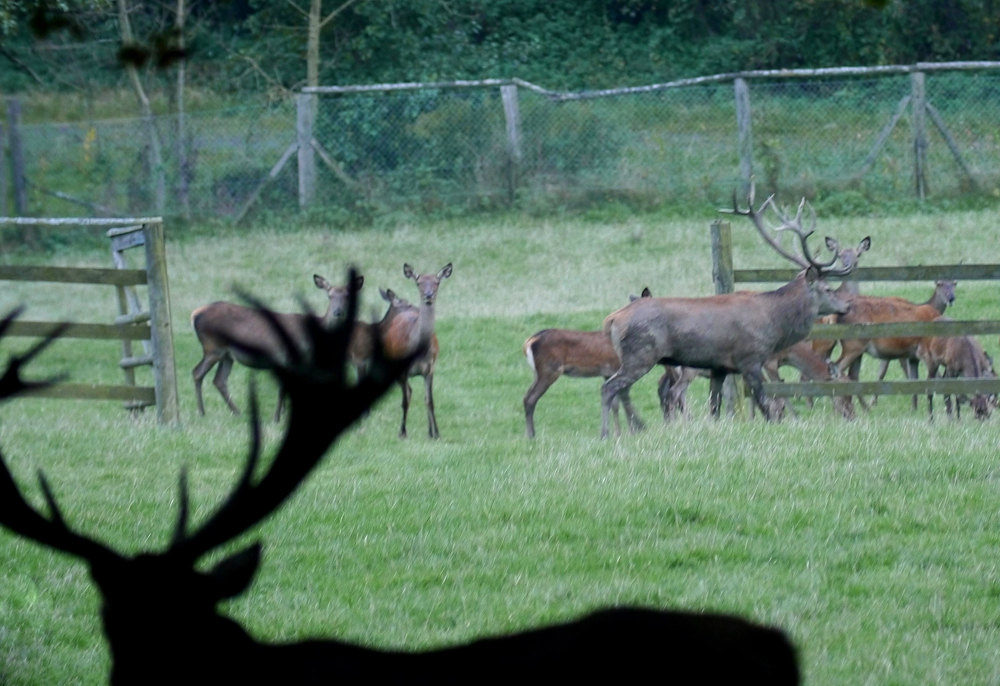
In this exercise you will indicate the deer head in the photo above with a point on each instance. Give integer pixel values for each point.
(814, 272)
(427, 283)
(159, 611)
(338, 296)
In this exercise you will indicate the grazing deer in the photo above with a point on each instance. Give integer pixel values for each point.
(404, 332)
(729, 333)
(867, 309)
(226, 330)
(961, 356)
(812, 367)
(672, 390)
(552, 353)
(161, 615)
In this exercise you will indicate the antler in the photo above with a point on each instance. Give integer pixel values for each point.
(758, 221)
(15, 512)
(793, 225)
(322, 407)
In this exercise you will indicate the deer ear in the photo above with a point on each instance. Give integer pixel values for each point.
(812, 275)
(232, 576)
(321, 282)
(646, 293)
(386, 295)
(865, 244)
(445, 272)
(407, 271)
(359, 282)
(832, 245)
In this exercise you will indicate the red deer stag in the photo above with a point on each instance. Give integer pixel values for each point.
(867, 309)
(226, 330)
(160, 612)
(404, 332)
(578, 354)
(961, 356)
(726, 334)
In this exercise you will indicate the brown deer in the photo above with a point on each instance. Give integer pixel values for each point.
(867, 309)
(404, 332)
(552, 353)
(847, 288)
(961, 356)
(726, 334)
(365, 336)
(161, 616)
(225, 330)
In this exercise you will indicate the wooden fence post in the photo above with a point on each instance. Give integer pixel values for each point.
(512, 115)
(722, 277)
(17, 158)
(161, 329)
(919, 125)
(745, 133)
(307, 159)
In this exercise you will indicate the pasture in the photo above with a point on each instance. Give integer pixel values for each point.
(874, 544)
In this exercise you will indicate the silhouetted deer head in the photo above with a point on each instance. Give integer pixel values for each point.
(160, 612)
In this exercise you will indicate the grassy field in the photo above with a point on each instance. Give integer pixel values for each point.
(873, 543)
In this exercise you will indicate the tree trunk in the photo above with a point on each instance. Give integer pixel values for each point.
(155, 149)
(183, 173)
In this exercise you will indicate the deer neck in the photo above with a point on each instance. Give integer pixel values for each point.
(425, 325)
(794, 308)
(938, 302)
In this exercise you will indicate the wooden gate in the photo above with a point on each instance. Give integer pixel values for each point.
(153, 326)
(726, 277)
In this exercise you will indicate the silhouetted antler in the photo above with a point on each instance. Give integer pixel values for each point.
(322, 407)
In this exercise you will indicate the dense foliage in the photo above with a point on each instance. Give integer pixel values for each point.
(254, 45)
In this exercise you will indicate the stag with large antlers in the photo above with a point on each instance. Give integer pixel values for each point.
(160, 613)
(733, 333)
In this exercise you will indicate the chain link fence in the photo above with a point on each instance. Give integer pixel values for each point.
(450, 150)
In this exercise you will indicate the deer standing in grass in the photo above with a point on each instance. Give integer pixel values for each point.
(161, 617)
(961, 357)
(869, 309)
(552, 353)
(403, 334)
(726, 334)
(226, 331)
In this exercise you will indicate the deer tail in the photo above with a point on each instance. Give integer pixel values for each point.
(529, 350)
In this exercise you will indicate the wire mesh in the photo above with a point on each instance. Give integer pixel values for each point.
(448, 150)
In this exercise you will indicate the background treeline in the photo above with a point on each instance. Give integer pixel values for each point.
(242, 46)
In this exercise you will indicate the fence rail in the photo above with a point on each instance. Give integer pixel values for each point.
(153, 325)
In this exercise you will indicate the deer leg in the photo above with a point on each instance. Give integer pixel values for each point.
(854, 374)
(883, 369)
(615, 403)
(931, 374)
(432, 425)
(404, 384)
(220, 380)
(620, 381)
(531, 398)
(755, 380)
(281, 404)
(199, 373)
(911, 366)
(635, 424)
(715, 393)
(663, 391)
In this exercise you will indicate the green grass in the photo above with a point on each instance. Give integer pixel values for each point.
(873, 543)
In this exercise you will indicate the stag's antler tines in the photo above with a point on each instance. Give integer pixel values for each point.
(11, 383)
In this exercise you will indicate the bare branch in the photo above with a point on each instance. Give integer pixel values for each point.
(334, 13)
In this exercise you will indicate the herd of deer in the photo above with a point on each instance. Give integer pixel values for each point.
(753, 334)
(160, 613)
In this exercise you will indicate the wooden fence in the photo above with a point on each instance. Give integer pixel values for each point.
(154, 325)
(726, 277)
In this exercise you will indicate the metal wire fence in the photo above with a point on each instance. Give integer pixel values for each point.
(450, 150)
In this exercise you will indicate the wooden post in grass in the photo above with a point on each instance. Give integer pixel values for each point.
(512, 116)
(307, 158)
(722, 277)
(919, 126)
(161, 331)
(3, 172)
(745, 133)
